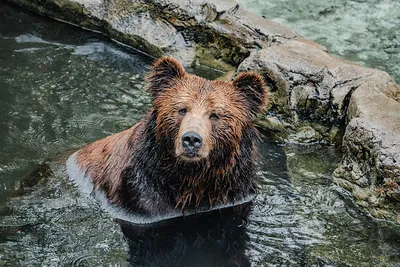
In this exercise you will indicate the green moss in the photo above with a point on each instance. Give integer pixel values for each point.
(215, 46)
(208, 59)
(278, 103)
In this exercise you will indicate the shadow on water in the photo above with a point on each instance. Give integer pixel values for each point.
(61, 89)
(217, 238)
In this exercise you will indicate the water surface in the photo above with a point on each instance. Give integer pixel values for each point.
(61, 88)
(362, 31)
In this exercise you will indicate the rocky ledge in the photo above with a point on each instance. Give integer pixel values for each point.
(314, 96)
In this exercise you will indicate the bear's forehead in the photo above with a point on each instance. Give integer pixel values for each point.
(196, 88)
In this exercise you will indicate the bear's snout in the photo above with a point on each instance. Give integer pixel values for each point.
(191, 142)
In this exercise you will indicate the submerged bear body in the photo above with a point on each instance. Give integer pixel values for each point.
(194, 150)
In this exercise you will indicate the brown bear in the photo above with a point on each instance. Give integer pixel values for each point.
(194, 150)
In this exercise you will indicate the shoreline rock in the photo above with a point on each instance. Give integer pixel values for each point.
(315, 96)
(370, 167)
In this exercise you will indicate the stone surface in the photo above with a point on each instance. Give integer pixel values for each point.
(307, 84)
(219, 34)
(314, 96)
(370, 167)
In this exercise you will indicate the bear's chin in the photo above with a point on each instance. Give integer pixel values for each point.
(189, 158)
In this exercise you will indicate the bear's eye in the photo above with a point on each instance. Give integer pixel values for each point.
(214, 117)
(182, 111)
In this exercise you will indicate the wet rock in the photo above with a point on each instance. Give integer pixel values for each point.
(8, 232)
(305, 135)
(318, 95)
(36, 176)
(219, 34)
(371, 146)
(307, 83)
(272, 123)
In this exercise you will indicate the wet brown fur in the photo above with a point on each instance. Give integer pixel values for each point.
(105, 160)
(112, 162)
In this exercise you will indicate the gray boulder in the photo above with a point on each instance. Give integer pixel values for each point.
(218, 34)
(370, 167)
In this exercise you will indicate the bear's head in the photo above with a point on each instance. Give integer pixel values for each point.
(200, 119)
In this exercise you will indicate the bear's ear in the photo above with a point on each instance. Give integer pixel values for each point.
(163, 73)
(251, 85)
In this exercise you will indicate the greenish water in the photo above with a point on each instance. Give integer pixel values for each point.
(61, 88)
(362, 31)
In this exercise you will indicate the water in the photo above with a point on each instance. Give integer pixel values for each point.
(362, 31)
(61, 88)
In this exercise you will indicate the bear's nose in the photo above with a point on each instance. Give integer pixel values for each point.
(191, 140)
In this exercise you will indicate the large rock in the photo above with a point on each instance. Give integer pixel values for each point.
(219, 34)
(370, 167)
(310, 89)
(314, 95)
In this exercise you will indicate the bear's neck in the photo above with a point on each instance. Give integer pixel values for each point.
(215, 181)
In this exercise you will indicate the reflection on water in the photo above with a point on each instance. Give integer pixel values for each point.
(217, 238)
(60, 91)
(363, 31)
